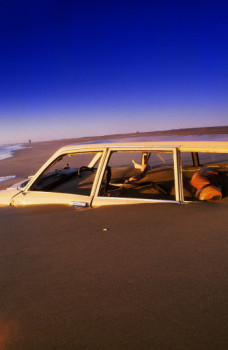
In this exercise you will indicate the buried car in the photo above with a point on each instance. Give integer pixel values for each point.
(107, 174)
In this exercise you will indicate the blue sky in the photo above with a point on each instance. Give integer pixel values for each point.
(81, 68)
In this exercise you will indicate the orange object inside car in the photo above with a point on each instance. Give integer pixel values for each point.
(207, 184)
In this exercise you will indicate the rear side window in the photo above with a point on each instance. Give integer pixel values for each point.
(215, 161)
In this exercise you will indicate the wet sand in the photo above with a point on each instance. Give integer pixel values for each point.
(155, 279)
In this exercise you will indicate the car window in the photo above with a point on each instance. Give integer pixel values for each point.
(213, 158)
(70, 173)
(147, 175)
(205, 159)
(218, 162)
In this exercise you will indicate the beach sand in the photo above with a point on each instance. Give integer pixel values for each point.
(156, 278)
(27, 161)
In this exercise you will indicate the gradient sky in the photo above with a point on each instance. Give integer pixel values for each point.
(75, 68)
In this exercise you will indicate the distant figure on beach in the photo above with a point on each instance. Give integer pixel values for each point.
(30, 141)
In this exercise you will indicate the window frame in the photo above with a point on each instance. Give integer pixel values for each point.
(101, 200)
(28, 196)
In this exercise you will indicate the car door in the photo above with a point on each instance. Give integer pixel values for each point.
(69, 178)
(140, 175)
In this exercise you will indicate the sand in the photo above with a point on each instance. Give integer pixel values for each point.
(155, 278)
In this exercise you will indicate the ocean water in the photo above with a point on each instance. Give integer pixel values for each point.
(221, 137)
(5, 178)
(7, 151)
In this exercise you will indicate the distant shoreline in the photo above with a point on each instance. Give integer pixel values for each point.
(214, 130)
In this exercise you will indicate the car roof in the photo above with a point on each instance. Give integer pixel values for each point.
(184, 146)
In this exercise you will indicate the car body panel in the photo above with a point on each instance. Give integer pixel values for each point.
(32, 198)
(6, 196)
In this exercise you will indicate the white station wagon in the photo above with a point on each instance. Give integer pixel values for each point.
(107, 174)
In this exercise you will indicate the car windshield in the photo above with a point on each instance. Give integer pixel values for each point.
(70, 173)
